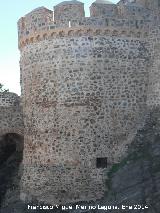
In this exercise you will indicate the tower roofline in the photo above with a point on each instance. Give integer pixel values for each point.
(69, 2)
(102, 2)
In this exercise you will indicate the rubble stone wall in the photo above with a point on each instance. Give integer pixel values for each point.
(83, 99)
(86, 84)
(11, 120)
(154, 74)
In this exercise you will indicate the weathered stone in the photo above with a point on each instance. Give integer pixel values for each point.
(87, 85)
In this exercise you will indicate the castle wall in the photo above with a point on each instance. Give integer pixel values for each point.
(8, 99)
(11, 120)
(84, 97)
(153, 98)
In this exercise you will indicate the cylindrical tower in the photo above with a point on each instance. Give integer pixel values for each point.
(82, 99)
(59, 144)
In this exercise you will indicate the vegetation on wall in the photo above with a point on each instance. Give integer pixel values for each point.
(2, 89)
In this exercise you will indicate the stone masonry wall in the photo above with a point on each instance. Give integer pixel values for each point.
(11, 120)
(100, 10)
(83, 99)
(154, 74)
(41, 22)
(67, 10)
(37, 30)
(86, 84)
(8, 99)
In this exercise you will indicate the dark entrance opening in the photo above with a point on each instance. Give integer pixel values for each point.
(11, 153)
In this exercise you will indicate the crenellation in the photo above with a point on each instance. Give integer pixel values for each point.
(37, 20)
(135, 10)
(65, 11)
(41, 22)
(103, 9)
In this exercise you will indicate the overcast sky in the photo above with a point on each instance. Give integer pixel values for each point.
(10, 12)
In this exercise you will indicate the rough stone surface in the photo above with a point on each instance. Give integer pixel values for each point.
(11, 118)
(85, 92)
(135, 181)
(87, 85)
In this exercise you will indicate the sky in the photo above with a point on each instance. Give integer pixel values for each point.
(10, 12)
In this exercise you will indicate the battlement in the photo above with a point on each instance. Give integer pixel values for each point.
(87, 26)
(68, 19)
(68, 9)
(101, 8)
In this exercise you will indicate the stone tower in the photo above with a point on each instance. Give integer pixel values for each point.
(84, 90)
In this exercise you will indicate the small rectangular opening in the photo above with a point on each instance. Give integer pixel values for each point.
(101, 162)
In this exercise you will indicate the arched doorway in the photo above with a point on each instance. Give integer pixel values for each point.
(11, 154)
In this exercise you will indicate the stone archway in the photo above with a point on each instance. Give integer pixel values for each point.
(17, 131)
(11, 154)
